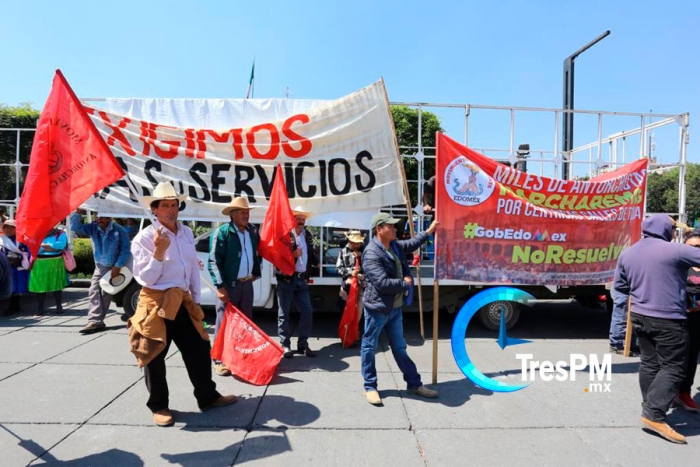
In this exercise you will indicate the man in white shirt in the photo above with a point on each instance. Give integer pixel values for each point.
(234, 264)
(294, 290)
(165, 264)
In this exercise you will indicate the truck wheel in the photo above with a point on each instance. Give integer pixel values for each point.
(131, 298)
(490, 315)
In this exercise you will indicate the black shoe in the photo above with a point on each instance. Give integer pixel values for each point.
(287, 352)
(307, 351)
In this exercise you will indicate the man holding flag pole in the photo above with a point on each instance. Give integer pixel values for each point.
(285, 243)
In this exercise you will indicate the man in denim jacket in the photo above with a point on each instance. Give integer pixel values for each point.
(388, 281)
(111, 250)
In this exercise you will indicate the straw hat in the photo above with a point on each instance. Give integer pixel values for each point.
(299, 211)
(679, 225)
(164, 190)
(114, 285)
(237, 203)
(355, 236)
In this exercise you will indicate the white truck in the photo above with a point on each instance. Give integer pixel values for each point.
(613, 139)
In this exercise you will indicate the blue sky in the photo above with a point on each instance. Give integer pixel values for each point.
(486, 52)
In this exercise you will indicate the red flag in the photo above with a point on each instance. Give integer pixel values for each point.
(348, 328)
(69, 163)
(245, 349)
(275, 239)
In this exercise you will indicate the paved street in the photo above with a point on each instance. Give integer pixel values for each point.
(69, 399)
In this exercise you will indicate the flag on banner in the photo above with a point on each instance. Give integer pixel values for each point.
(245, 349)
(250, 82)
(275, 239)
(348, 329)
(69, 163)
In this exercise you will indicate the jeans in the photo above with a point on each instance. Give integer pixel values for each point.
(295, 292)
(693, 351)
(664, 353)
(618, 321)
(392, 324)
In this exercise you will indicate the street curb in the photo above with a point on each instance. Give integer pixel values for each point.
(80, 283)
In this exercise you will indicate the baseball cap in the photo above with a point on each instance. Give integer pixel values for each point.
(383, 218)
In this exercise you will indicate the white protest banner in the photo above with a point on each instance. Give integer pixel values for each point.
(339, 157)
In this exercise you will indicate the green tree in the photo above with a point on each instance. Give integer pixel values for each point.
(22, 116)
(406, 125)
(662, 191)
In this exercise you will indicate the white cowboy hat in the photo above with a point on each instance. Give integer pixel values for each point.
(299, 211)
(355, 236)
(164, 190)
(114, 285)
(237, 203)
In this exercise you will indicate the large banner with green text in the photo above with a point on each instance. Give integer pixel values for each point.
(499, 225)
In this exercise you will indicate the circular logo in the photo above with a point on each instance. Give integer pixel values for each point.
(466, 183)
(55, 161)
(459, 330)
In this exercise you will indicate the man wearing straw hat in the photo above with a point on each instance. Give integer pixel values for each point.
(349, 265)
(653, 273)
(165, 264)
(294, 289)
(234, 264)
(110, 248)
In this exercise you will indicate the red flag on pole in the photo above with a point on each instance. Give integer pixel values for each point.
(275, 239)
(245, 349)
(348, 329)
(69, 163)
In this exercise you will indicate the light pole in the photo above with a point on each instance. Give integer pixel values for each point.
(568, 127)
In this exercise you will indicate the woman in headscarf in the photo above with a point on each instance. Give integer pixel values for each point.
(18, 256)
(49, 271)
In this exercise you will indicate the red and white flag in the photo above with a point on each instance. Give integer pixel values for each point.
(245, 349)
(275, 235)
(69, 163)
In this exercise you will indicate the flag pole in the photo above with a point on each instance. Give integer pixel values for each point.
(251, 82)
(408, 208)
(436, 281)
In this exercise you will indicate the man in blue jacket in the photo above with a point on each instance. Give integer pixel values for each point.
(389, 280)
(654, 272)
(111, 249)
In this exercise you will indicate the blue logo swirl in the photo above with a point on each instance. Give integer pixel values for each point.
(459, 329)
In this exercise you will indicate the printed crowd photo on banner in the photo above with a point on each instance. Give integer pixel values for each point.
(503, 226)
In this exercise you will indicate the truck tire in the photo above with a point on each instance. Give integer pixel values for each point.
(490, 315)
(130, 299)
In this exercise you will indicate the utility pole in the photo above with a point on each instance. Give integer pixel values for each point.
(568, 127)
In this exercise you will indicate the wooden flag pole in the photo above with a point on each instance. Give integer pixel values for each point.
(436, 318)
(409, 209)
(628, 331)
